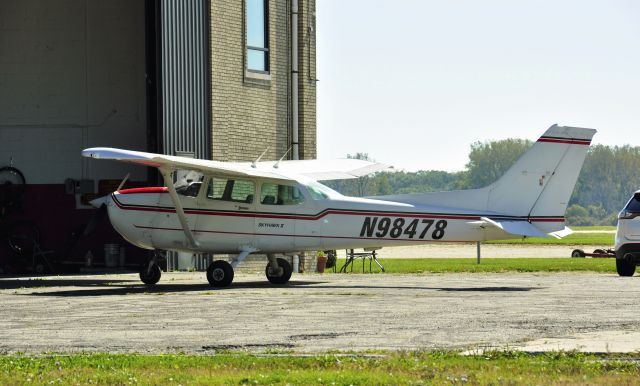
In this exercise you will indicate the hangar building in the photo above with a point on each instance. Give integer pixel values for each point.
(210, 79)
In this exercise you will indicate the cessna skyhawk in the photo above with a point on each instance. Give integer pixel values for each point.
(281, 208)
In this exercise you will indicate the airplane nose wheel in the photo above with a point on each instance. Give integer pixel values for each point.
(220, 273)
(150, 273)
(281, 275)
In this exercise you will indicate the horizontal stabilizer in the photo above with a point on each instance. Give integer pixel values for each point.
(561, 233)
(521, 228)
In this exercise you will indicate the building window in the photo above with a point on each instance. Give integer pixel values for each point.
(258, 35)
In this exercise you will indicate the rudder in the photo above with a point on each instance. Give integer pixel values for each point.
(539, 185)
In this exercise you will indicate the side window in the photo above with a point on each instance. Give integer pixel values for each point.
(275, 194)
(230, 190)
(188, 183)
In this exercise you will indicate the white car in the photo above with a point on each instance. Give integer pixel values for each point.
(628, 237)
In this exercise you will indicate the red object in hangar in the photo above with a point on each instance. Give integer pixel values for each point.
(60, 229)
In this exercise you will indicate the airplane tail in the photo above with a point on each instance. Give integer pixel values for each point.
(540, 183)
(536, 188)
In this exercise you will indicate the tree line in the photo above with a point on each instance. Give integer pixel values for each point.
(607, 180)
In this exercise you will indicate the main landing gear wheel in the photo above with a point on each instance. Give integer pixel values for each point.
(220, 273)
(150, 274)
(285, 273)
(626, 266)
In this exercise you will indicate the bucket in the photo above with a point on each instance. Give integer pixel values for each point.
(321, 263)
(111, 255)
(296, 263)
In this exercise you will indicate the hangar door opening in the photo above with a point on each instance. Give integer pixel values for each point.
(82, 73)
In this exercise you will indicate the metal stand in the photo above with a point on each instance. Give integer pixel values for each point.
(39, 254)
(478, 251)
(351, 255)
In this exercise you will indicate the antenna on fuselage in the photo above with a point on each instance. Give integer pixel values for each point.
(253, 164)
(284, 155)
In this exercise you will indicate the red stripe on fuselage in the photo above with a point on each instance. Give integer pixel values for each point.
(153, 189)
(332, 212)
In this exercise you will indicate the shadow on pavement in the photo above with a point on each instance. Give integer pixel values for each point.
(127, 287)
(71, 282)
(116, 288)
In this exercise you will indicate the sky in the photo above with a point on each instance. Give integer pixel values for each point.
(414, 83)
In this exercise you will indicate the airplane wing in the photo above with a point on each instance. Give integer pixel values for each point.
(285, 170)
(321, 170)
(174, 163)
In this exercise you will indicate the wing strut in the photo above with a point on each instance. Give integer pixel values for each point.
(168, 180)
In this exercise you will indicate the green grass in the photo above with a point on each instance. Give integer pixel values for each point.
(595, 228)
(601, 239)
(387, 368)
(487, 265)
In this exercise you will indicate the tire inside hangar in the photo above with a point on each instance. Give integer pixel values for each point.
(82, 73)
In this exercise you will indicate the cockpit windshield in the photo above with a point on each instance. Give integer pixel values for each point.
(188, 182)
(319, 191)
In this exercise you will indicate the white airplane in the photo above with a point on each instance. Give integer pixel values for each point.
(280, 208)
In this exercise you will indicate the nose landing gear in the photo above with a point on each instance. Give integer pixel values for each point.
(150, 273)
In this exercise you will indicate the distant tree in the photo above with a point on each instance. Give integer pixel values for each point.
(488, 161)
(362, 156)
(608, 178)
(578, 216)
(383, 186)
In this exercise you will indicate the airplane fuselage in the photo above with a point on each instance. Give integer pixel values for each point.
(146, 217)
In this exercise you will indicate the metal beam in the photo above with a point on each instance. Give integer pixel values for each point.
(168, 181)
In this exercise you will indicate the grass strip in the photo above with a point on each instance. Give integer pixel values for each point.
(486, 265)
(573, 239)
(416, 368)
(595, 228)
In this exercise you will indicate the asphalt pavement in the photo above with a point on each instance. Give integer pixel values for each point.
(320, 312)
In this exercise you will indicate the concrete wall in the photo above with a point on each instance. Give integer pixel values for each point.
(250, 112)
(72, 75)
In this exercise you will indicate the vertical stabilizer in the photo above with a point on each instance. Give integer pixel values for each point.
(537, 187)
(541, 182)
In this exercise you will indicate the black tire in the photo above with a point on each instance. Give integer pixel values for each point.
(601, 251)
(626, 266)
(331, 259)
(577, 253)
(220, 273)
(21, 237)
(150, 276)
(286, 272)
(12, 185)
